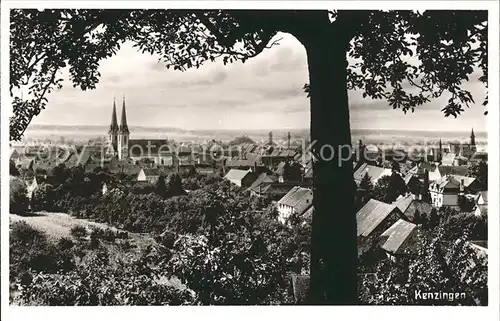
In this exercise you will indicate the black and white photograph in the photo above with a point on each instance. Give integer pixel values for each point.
(253, 156)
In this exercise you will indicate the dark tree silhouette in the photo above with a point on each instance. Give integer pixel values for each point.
(160, 186)
(449, 46)
(13, 171)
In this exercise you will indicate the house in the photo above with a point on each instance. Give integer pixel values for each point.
(277, 190)
(262, 181)
(372, 220)
(295, 202)
(480, 210)
(479, 157)
(412, 182)
(482, 198)
(411, 206)
(448, 159)
(420, 169)
(150, 175)
(15, 156)
(31, 186)
(444, 192)
(375, 173)
(396, 241)
(241, 178)
(441, 171)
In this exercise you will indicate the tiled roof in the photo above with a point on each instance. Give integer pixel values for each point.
(467, 180)
(374, 172)
(403, 203)
(261, 179)
(280, 168)
(484, 194)
(455, 170)
(309, 173)
(236, 174)
(371, 215)
(151, 172)
(448, 159)
(308, 214)
(298, 197)
(396, 236)
(408, 178)
(480, 156)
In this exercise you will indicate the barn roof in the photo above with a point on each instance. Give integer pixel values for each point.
(371, 215)
(396, 236)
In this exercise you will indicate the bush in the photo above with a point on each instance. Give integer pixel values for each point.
(19, 202)
(78, 231)
(30, 250)
(43, 198)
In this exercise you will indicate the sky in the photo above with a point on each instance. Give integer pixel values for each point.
(264, 93)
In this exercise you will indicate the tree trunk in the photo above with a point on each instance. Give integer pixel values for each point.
(333, 244)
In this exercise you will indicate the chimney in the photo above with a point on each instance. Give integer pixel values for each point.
(255, 167)
(462, 184)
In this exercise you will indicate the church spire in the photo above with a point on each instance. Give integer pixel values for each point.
(113, 128)
(123, 125)
(472, 138)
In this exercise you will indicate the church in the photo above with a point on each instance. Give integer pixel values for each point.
(121, 146)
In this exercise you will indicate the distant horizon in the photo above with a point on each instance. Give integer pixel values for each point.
(153, 127)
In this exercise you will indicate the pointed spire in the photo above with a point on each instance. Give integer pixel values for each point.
(472, 133)
(123, 125)
(113, 128)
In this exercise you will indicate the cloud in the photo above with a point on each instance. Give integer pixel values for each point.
(265, 92)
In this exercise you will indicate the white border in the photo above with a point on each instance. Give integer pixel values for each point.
(251, 313)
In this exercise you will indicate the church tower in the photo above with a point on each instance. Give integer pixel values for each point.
(472, 141)
(123, 134)
(113, 130)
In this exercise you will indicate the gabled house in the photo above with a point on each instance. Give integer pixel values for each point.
(482, 198)
(441, 171)
(421, 169)
(412, 207)
(241, 178)
(31, 186)
(397, 240)
(444, 192)
(448, 159)
(150, 175)
(295, 202)
(375, 173)
(372, 220)
(262, 182)
(481, 207)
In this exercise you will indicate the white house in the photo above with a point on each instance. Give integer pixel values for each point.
(150, 175)
(296, 202)
(31, 186)
(444, 192)
(241, 178)
(375, 173)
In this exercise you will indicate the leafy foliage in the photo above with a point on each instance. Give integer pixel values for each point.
(432, 52)
(18, 196)
(388, 188)
(43, 198)
(438, 266)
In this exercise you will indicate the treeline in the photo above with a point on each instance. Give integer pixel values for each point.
(223, 245)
